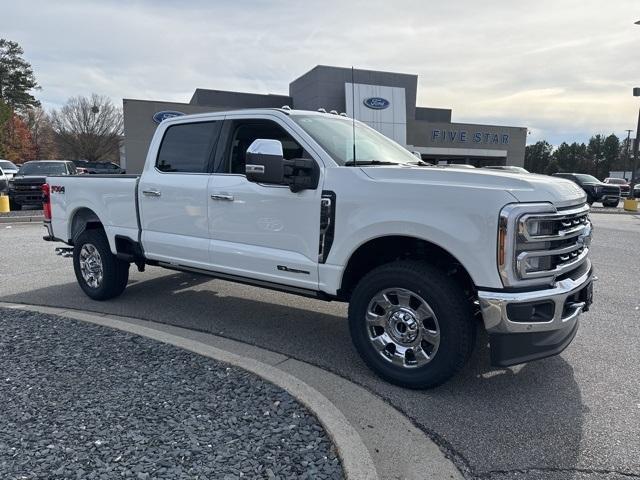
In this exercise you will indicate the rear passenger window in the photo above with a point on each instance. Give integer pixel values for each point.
(187, 147)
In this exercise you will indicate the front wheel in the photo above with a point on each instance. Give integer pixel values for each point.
(612, 203)
(411, 324)
(100, 274)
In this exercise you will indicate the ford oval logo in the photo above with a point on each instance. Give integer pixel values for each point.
(377, 103)
(163, 115)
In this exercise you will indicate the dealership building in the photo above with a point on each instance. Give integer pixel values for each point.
(385, 101)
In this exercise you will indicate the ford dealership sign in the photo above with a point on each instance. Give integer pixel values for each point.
(376, 103)
(163, 115)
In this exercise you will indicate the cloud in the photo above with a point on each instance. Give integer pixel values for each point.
(563, 69)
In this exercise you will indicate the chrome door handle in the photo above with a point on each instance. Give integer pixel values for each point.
(151, 193)
(219, 196)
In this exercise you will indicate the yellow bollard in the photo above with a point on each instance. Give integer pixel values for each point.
(630, 205)
(4, 203)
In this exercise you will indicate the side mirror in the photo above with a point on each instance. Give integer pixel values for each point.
(265, 162)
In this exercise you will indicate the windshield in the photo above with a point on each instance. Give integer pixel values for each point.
(616, 181)
(335, 135)
(42, 168)
(587, 178)
(7, 165)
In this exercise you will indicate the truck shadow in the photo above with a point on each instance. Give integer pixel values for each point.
(488, 418)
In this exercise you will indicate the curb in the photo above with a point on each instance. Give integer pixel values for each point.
(373, 439)
(21, 219)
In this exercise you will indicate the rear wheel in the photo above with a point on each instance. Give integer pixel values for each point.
(100, 274)
(411, 324)
(612, 203)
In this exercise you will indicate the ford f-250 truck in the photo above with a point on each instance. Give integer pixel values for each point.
(281, 199)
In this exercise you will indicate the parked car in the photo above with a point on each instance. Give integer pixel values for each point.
(4, 181)
(596, 190)
(10, 169)
(102, 168)
(508, 168)
(25, 188)
(625, 188)
(285, 205)
(636, 191)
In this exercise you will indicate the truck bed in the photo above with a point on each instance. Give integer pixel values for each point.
(112, 198)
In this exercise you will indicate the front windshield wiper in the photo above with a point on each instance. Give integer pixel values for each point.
(370, 162)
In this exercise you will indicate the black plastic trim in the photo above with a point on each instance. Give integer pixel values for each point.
(304, 292)
(513, 348)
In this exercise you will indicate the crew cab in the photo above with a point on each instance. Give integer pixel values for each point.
(597, 191)
(25, 187)
(283, 199)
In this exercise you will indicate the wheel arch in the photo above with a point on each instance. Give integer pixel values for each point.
(83, 219)
(388, 248)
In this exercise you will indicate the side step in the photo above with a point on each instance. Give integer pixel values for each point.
(64, 251)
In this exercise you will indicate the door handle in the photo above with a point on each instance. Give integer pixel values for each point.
(220, 196)
(151, 193)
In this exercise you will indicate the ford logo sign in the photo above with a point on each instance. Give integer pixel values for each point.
(376, 103)
(160, 116)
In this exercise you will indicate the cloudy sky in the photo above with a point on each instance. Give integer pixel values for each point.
(563, 68)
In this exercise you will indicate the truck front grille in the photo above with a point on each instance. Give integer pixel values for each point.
(552, 244)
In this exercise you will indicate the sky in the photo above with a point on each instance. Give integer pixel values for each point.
(563, 68)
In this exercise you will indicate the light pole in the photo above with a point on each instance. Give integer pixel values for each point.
(636, 93)
(626, 153)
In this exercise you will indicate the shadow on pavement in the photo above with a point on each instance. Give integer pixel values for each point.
(489, 419)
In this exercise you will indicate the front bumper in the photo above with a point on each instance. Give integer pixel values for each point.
(517, 341)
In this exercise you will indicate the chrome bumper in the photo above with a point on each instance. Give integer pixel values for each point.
(494, 307)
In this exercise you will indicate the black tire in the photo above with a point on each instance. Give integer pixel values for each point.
(613, 204)
(115, 272)
(447, 301)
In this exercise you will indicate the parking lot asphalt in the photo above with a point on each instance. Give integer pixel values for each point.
(573, 416)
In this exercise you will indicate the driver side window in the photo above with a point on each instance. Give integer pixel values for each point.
(242, 133)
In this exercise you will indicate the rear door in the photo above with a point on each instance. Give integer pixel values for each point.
(173, 194)
(261, 231)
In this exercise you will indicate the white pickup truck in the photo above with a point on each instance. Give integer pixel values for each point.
(281, 199)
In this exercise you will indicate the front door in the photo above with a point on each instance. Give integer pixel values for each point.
(173, 195)
(263, 232)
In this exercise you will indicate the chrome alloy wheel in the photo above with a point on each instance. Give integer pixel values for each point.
(91, 265)
(402, 327)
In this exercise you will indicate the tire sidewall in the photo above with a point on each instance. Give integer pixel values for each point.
(437, 290)
(110, 276)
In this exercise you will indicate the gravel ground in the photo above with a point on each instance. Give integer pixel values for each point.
(80, 401)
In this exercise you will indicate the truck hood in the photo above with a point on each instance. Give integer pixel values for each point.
(523, 187)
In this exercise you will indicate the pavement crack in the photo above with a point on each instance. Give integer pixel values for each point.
(588, 471)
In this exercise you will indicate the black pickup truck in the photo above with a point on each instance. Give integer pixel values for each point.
(25, 187)
(596, 190)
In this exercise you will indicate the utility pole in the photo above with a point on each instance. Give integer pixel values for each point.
(626, 156)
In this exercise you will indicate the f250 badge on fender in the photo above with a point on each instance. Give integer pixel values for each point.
(376, 103)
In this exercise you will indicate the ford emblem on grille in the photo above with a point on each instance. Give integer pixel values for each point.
(376, 103)
(163, 115)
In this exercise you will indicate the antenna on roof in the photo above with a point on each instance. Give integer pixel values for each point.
(353, 114)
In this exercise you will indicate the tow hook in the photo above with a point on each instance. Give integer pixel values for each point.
(65, 252)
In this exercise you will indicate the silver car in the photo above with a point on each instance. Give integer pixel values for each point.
(10, 169)
(4, 181)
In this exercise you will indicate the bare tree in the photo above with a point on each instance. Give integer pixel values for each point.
(88, 128)
(42, 133)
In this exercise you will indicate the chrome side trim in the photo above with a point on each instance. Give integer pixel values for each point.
(494, 306)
